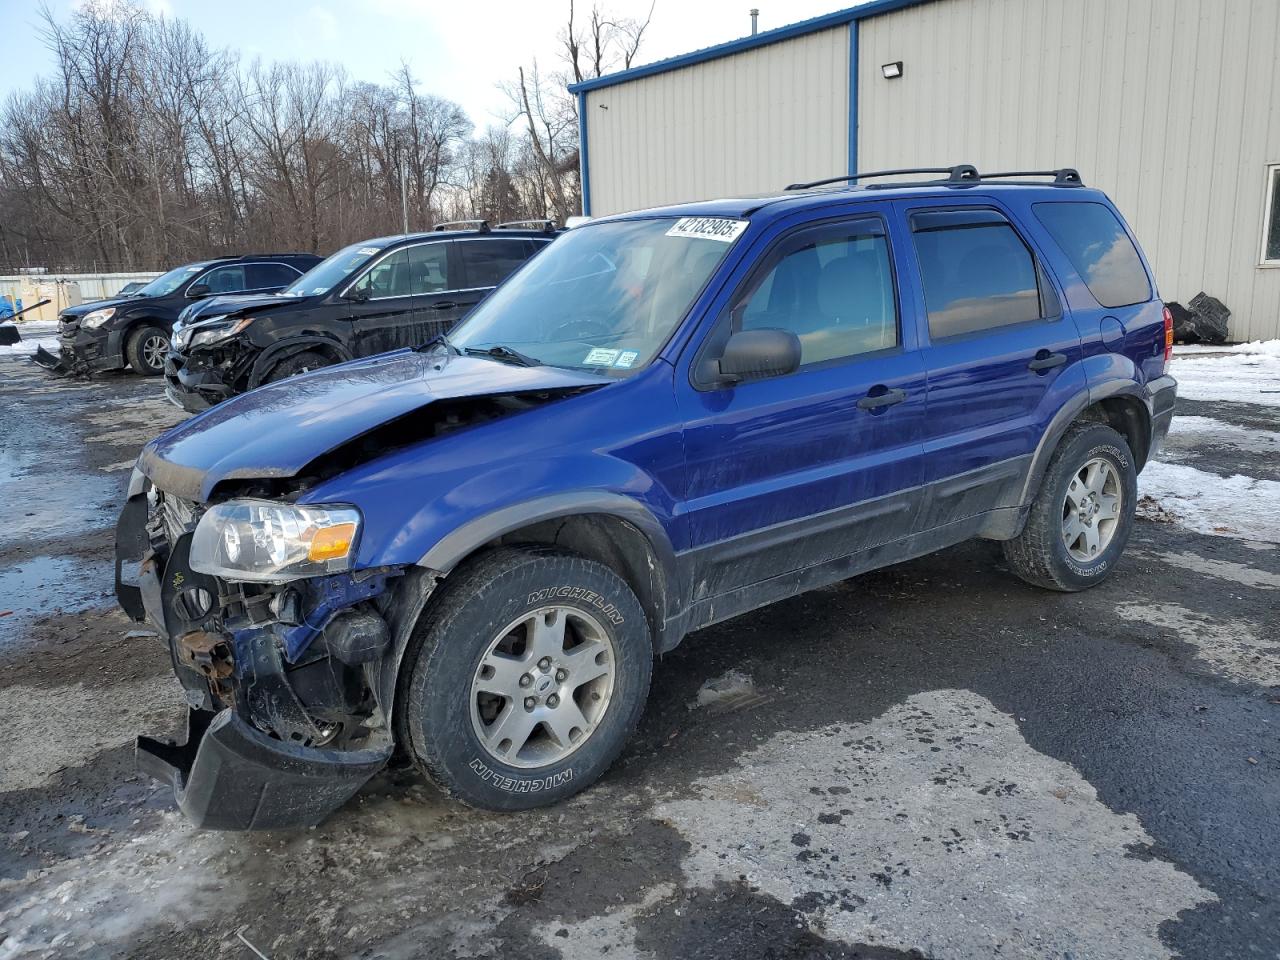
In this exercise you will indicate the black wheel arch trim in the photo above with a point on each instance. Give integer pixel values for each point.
(285, 349)
(461, 542)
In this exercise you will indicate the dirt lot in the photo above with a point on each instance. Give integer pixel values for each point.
(931, 761)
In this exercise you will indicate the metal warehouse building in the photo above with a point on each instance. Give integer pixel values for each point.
(1170, 106)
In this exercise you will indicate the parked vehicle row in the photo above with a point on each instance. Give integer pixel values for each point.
(133, 330)
(474, 549)
(370, 297)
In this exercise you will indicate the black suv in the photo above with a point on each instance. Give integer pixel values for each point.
(134, 329)
(368, 298)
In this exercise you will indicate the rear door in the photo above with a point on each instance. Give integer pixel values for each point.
(269, 276)
(1000, 350)
(486, 262)
(793, 471)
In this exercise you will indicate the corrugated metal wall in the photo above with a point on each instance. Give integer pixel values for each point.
(1170, 106)
(743, 124)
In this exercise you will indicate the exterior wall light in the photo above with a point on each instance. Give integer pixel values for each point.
(892, 71)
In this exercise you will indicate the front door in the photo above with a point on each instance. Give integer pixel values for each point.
(795, 471)
(408, 298)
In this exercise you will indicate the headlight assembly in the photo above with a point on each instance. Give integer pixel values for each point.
(96, 318)
(214, 330)
(269, 542)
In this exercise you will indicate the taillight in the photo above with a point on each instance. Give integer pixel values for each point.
(1168, 334)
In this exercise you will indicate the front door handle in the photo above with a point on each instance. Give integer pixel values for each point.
(880, 400)
(443, 305)
(1045, 360)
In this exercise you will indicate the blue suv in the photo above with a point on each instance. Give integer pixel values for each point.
(473, 550)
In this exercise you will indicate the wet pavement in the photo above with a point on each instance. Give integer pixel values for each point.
(934, 760)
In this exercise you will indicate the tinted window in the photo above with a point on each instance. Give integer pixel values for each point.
(323, 276)
(225, 279)
(1095, 242)
(977, 272)
(834, 293)
(266, 275)
(389, 277)
(489, 262)
(429, 268)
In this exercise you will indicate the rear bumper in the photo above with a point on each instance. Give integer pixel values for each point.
(1163, 394)
(226, 775)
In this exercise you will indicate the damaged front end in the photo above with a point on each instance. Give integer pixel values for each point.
(288, 712)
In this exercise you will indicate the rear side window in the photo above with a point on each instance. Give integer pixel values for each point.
(228, 279)
(978, 273)
(833, 291)
(1095, 242)
(489, 262)
(262, 276)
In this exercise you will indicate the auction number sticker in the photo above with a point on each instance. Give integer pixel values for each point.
(708, 228)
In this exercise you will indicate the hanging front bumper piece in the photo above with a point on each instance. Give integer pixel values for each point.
(228, 776)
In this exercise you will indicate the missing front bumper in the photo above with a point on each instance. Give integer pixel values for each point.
(227, 775)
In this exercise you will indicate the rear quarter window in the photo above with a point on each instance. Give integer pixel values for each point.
(1096, 243)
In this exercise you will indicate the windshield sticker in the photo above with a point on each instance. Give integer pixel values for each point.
(599, 357)
(368, 251)
(626, 358)
(708, 228)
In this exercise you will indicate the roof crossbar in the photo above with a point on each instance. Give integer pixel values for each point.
(481, 225)
(543, 224)
(960, 174)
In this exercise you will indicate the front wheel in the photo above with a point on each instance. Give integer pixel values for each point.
(525, 678)
(145, 350)
(303, 362)
(1082, 516)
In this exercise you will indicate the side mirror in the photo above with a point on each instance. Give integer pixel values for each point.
(198, 291)
(357, 294)
(753, 354)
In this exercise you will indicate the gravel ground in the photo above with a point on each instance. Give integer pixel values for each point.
(934, 760)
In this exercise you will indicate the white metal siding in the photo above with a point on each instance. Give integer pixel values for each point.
(1170, 106)
(743, 124)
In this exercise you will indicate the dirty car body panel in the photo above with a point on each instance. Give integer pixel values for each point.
(712, 494)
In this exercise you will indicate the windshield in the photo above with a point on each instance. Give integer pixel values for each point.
(327, 274)
(166, 283)
(602, 297)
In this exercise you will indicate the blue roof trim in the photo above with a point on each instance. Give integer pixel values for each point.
(789, 32)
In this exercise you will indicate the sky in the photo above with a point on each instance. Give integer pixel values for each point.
(459, 49)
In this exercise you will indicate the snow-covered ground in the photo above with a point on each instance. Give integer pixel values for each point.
(1234, 505)
(35, 333)
(1249, 373)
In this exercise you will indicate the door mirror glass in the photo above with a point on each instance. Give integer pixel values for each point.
(756, 354)
(198, 291)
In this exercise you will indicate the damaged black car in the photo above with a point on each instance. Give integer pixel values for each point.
(370, 297)
(133, 329)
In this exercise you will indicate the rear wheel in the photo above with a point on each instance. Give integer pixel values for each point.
(525, 678)
(298, 363)
(1081, 518)
(145, 350)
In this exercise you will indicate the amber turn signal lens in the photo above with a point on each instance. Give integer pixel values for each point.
(330, 543)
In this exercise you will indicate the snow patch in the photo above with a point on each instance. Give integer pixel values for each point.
(1229, 648)
(36, 333)
(1209, 430)
(1234, 377)
(1235, 506)
(1220, 569)
(905, 830)
(727, 691)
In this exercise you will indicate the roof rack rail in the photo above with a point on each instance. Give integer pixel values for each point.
(545, 225)
(961, 174)
(481, 226)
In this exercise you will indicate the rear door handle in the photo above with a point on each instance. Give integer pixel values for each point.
(1046, 361)
(443, 305)
(879, 400)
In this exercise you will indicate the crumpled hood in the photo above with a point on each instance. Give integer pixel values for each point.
(276, 430)
(234, 303)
